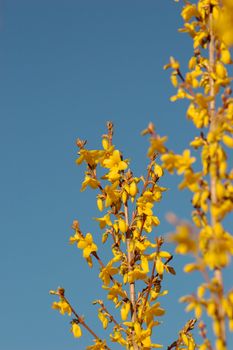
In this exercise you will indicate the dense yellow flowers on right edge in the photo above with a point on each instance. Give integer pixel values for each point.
(207, 88)
(223, 22)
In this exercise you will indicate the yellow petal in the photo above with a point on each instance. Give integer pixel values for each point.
(76, 330)
(122, 225)
(124, 311)
(144, 264)
(225, 56)
(228, 141)
(105, 144)
(133, 189)
(158, 170)
(100, 204)
(159, 266)
(220, 70)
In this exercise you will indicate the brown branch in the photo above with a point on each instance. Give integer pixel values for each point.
(96, 256)
(61, 293)
(202, 328)
(103, 266)
(186, 329)
(186, 86)
(111, 317)
(148, 290)
(157, 275)
(129, 259)
(110, 132)
(213, 177)
(173, 345)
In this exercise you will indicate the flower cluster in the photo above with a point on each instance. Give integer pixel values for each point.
(133, 276)
(206, 86)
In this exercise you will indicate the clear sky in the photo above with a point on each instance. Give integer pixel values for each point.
(66, 68)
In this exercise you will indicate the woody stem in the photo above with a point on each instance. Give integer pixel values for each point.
(213, 175)
(82, 322)
(130, 256)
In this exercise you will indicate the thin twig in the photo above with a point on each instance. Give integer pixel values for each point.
(202, 328)
(213, 177)
(80, 320)
(129, 259)
(103, 266)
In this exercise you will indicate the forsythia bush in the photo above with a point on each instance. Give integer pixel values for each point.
(133, 277)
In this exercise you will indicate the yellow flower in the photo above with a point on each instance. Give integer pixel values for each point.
(112, 194)
(174, 79)
(157, 145)
(188, 341)
(188, 268)
(228, 141)
(76, 330)
(142, 337)
(117, 337)
(172, 64)
(125, 310)
(123, 227)
(185, 239)
(115, 291)
(191, 77)
(179, 162)
(99, 345)
(192, 62)
(107, 272)
(216, 246)
(113, 175)
(150, 221)
(89, 181)
(169, 161)
(62, 306)
(225, 55)
(152, 311)
(104, 221)
(100, 204)
(200, 39)
(86, 243)
(220, 70)
(136, 274)
(184, 161)
(74, 239)
(133, 189)
(144, 264)
(115, 164)
(223, 23)
(144, 207)
(189, 11)
(202, 100)
(103, 319)
(181, 93)
(159, 266)
(197, 142)
(140, 333)
(90, 157)
(158, 170)
(200, 199)
(189, 28)
(198, 115)
(105, 144)
(115, 160)
(191, 180)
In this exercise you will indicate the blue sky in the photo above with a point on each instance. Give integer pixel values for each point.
(66, 68)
